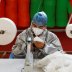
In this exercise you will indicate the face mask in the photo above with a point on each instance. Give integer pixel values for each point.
(37, 31)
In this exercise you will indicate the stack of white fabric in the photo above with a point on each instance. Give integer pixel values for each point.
(56, 62)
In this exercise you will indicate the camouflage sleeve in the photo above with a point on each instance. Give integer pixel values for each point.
(20, 45)
(53, 44)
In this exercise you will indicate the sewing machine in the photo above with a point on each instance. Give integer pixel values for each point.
(28, 65)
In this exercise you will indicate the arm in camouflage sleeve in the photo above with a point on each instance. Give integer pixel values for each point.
(19, 48)
(53, 44)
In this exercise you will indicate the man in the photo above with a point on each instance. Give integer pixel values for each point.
(43, 42)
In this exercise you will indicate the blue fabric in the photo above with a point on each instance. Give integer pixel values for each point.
(11, 56)
(40, 18)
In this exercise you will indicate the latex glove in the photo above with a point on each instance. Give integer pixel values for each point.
(38, 43)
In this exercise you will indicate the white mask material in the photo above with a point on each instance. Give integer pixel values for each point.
(37, 31)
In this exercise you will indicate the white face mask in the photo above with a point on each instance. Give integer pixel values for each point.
(37, 31)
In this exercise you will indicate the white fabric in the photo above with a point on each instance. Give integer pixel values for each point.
(43, 62)
(68, 29)
(58, 65)
(38, 39)
(10, 29)
(56, 62)
(37, 31)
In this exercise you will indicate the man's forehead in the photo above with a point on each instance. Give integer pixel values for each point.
(37, 25)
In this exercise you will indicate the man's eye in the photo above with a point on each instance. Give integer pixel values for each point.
(34, 25)
(41, 27)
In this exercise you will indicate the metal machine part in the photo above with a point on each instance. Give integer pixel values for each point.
(28, 65)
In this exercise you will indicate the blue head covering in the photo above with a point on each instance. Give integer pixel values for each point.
(40, 18)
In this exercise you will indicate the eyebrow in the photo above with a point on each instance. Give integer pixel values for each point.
(40, 26)
(36, 25)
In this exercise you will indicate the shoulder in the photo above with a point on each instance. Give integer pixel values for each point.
(23, 33)
(52, 35)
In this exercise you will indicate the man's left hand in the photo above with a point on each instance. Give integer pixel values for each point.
(38, 44)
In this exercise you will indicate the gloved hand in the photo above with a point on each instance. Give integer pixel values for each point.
(38, 43)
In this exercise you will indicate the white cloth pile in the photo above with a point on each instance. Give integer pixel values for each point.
(56, 62)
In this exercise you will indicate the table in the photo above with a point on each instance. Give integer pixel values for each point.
(13, 65)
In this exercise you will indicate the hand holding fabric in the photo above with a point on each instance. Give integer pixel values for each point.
(38, 43)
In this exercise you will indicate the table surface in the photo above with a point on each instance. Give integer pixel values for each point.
(13, 65)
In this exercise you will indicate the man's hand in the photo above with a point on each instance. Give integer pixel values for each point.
(38, 44)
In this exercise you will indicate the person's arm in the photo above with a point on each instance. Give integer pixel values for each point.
(19, 49)
(53, 44)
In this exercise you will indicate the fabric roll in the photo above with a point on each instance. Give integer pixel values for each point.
(23, 13)
(11, 10)
(2, 8)
(62, 13)
(35, 6)
(49, 9)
